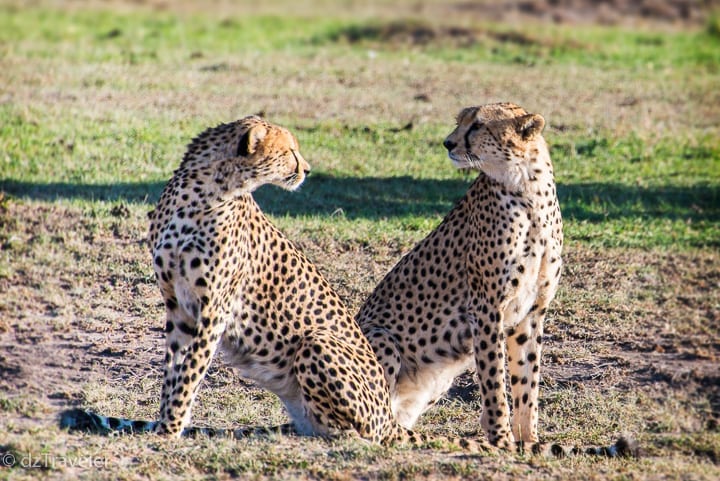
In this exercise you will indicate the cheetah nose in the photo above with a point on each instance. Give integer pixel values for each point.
(302, 164)
(449, 144)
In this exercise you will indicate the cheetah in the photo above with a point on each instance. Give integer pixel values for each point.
(231, 280)
(474, 292)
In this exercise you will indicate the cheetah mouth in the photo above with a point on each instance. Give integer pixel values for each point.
(293, 181)
(460, 163)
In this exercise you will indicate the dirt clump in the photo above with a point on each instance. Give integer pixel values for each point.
(608, 12)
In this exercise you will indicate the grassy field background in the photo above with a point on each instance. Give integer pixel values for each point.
(98, 100)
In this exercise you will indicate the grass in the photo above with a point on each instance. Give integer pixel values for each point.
(545, 45)
(663, 177)
(97, 104)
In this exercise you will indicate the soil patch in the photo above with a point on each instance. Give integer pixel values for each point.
(608, 12)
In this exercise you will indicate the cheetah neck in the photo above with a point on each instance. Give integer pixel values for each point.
(530, 174)
(206, 187)
(197, 193)
(536, 192)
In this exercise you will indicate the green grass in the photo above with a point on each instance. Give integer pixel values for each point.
(630, 188)
(133, 38)
(544, 45)
(622, 191)
(162, 38)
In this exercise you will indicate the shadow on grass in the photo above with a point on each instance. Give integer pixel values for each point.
(320, 195)
(376, 198)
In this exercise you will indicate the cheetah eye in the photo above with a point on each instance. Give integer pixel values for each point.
(475, 126)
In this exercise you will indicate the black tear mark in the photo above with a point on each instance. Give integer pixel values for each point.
(244, 145)
(475, 126)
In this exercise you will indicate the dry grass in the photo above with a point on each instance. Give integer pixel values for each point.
(632, 343)
(626, 352)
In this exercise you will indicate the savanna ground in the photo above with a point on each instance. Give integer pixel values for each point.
(98, 100)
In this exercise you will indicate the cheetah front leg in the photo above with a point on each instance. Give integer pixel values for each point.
(489, 345)
(190, 347)
(524, 349)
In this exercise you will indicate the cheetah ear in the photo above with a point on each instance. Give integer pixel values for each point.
(529, 126)
(250, 140)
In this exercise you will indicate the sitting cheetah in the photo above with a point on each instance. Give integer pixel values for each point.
(229, 278)
(474, 292)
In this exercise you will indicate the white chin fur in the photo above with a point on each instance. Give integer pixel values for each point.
(459, 164)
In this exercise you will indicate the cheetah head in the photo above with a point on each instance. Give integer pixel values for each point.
(501, 140)
(264, 153)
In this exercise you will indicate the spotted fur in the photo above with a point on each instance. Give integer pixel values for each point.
(474, 293)
(230, 279)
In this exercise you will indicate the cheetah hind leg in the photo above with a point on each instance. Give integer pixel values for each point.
(340, 395)
(342, 388)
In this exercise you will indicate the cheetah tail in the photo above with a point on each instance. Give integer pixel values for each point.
(624, 447)
(414, 439)
(240, 433)
(81, 420)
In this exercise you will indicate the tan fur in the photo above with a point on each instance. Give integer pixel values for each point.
(230, 278)
(474, 292)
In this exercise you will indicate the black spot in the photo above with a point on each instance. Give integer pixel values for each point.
(190, 331)
(138, 425)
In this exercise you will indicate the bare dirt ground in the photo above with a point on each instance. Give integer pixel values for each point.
(460, 20)
(80, 306)
(607, 12)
